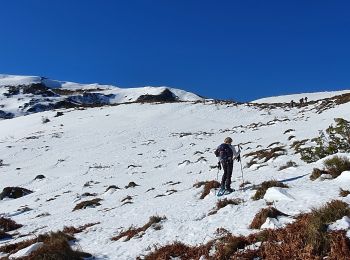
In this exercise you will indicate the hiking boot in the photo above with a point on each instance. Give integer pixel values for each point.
(229, 190)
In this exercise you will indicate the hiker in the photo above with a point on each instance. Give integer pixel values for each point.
(305, 99)
(226, 153)
(301, 102)
(292, 103)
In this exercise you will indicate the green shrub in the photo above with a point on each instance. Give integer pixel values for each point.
(336, 139)
(336, 165)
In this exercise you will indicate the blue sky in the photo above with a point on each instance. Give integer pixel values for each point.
(238, 50)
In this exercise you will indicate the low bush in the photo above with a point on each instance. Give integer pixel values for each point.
(132, 231)
(14, 192)
(344, 193)
(263, 214)
(262, 188)
(306, 238)
(333, 166)
(87, 203)
(7, 224)
(287, 165)
(55, 246)
(316, 173)
(319, 219)
(73, 230)
(267, 154)
(223, 203)
(336, 165)
(336, 139)
(4, 235)
(208, 186)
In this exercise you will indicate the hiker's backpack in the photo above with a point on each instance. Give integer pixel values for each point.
(224, 151)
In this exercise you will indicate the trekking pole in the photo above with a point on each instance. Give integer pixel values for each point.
(240, 161)
(242, 174)
(217, 178)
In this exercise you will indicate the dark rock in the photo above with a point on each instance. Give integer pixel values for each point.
(112, 187)
(39, 177)
(6, 115)
(14, 192)
(131, 185)
(39, 89)
(59, 114)
(165, 96)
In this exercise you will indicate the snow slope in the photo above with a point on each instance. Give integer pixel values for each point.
(165, 149)
(296, 97)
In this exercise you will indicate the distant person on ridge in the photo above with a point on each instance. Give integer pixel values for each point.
(226, 153)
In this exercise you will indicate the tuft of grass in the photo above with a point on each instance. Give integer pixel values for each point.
(7, 224)
(316, 173)
(132, 231)
(73, 230)
(316, 230)
(14, 192)
(306, 238)
(208, 186)
(223, 203)
(288, 131)
(336, 165)
(267, 154)
(343, 193)
(287, 165)
(87, 203)
(178, 250)
(260, 192)
(55, 246)
(263, 214)
(333, 166)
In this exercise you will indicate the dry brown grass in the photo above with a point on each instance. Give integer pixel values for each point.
(262, 188)
(223, 203)
(87, 203)
(14, 192)
(267, 154)
(316, 173)
(4, 235)
(343, 193)
(208, 186)
(56, 246)
(7, 224)
(263, 214)
(132, 231)
(287, 165)
(180, 250)
(306, 238)
(73, 230)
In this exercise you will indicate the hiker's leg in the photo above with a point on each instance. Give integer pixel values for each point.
(229, 174)
(224, 176)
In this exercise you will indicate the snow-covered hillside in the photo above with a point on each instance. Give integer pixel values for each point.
(154, 154)
(297, 97)
(22, 95)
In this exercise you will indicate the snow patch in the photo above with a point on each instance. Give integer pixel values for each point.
(277, 193)
(341, 224)
(27, 251)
